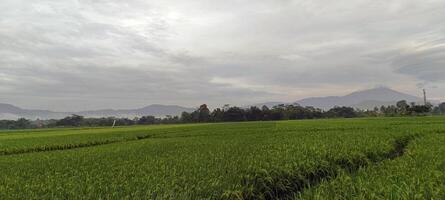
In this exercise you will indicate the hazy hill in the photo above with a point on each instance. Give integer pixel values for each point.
(365, 99)
(8, 111)
(154, 110)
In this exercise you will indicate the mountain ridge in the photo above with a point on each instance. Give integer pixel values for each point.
(9, 111)
(362, 99)
(384, 95)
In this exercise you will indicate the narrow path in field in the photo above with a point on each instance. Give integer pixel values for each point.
(288, 185)
(61, 147)
(93, 143)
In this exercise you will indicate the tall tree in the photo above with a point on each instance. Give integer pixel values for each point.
(217, 115)
(266, 112)
(186, 117)
(204, 113)
(73, 120)
(254, 114)
(402, 107)
(234, 114)
(442, 108)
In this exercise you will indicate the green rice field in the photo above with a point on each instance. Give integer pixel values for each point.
(369, 158)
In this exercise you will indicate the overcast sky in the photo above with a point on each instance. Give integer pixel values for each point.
(89, 54)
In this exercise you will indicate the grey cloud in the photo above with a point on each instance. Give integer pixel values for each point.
(425, 63)
(105, 53)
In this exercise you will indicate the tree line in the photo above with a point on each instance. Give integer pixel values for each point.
(234, 114)
(296, 111)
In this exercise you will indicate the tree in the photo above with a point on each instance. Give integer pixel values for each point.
(217, 115)
(73, 120)
(145, 120)
(278, 112)
(266, 112)
(442, 108)
(420, 109)
(254, 114)
(345, 112)
(402, 107)
(295, 111)
(391, 111)
(22, 123)
(383, 109)
(315, 113)
(169, 119)
(436, 110)
(186, 117)
(204, 113)
(234, 114)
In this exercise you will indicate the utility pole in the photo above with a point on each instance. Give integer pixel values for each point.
(424, 97)
(114, 124)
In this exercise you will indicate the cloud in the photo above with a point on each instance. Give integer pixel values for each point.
(425, 62)
(83, 54)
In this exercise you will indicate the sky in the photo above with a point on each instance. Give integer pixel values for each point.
(75, 55)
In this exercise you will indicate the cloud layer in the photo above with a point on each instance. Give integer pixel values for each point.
(85, 54)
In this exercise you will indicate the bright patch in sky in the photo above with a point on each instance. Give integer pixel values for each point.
(92, 54)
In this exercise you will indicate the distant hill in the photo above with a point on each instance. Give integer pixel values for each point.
(8, 111)
(365, 99)
(154, 110)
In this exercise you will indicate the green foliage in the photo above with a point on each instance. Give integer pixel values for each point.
(418, 175)
(74, 120)
(442, 108)
(366, 158)
(234, 114)
(16, 124)
(345, 112)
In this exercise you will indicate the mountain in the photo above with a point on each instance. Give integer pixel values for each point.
(8, 111)
(365, 99)
(154, 110)
(8, 108)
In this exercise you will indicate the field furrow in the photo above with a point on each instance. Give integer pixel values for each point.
(259, 160)
(420, 174)
(289, 184)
